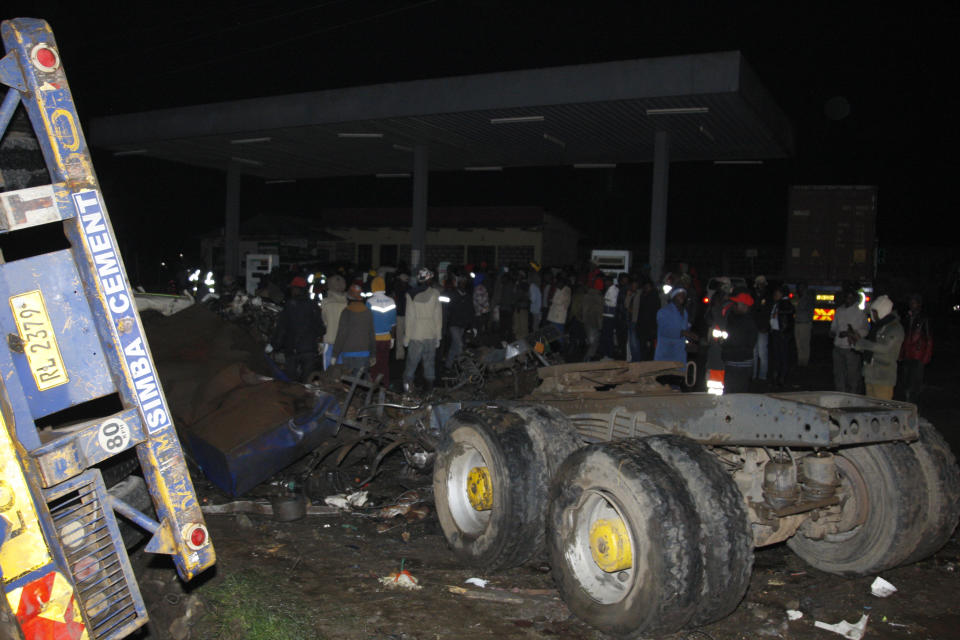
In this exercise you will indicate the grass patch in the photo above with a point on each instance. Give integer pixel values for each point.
(248, 606)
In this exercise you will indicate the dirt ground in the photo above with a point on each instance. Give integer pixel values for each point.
(319, 577)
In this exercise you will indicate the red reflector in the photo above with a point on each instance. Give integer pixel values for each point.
(46, 58)
(198, 537)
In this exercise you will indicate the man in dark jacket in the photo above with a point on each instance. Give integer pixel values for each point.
(916, 351)
(507, 302)
(803, 325)
(737, 349)
(781, 335)
(356, 343)
(401, 285)
(299, 328)
(622, 316)
(591, 315)
(761, 312)
(460, 318)
(648, 306)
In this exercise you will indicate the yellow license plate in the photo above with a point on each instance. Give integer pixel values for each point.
(39, 342)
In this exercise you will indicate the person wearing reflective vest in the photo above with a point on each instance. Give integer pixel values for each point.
(384, 327)
(738, 346)
(354, 346)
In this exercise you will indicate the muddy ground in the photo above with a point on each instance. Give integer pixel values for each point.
(319, 577)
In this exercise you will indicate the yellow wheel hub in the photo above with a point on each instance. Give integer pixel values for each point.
(610, 545)
(480, 489)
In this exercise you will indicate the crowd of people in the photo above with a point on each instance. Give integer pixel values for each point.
(756, 336)
(765, 331)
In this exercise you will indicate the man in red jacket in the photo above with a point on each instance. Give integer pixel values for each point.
(916, 350)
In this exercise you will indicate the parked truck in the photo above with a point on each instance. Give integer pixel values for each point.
(649, 502)
(831, 241)
(80, 398)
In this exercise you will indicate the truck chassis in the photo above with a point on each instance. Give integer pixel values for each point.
(649, 504)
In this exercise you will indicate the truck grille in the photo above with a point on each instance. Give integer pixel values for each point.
(98, 562)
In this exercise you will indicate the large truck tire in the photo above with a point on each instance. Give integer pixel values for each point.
(725, 539)
(623, 538)
(941, 510)
(554, 438)
(490, 488)
(883, 489)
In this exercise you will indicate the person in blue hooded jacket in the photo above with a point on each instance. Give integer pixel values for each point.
(673, 328)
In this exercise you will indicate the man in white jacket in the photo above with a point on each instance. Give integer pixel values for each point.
(423, 330)
(557, 315)
(849, 325)
(608, 329)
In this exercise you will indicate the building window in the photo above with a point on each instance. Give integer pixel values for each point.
(477, 254)
(515, 256)
(388, 255)
(364, 256)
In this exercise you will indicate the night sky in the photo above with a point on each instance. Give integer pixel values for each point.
(868, 89)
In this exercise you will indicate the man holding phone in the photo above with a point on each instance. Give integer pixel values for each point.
(849, 324)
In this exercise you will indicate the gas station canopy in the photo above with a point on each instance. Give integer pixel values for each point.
(712, 107)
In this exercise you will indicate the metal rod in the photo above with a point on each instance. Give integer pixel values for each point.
(91, 590)
(130, 512)
(108, 592)
(86, 544)
(101, 549)
(103, 633)
(63, 523)
(127, 614)
(87, 587)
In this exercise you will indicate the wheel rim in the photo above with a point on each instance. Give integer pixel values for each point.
(603, 551)
(855, 497)
(470, 491)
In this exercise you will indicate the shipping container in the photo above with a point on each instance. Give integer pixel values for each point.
(831, 234)
(831, 241)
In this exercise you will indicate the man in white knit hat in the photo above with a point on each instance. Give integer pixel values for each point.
(881, 348)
